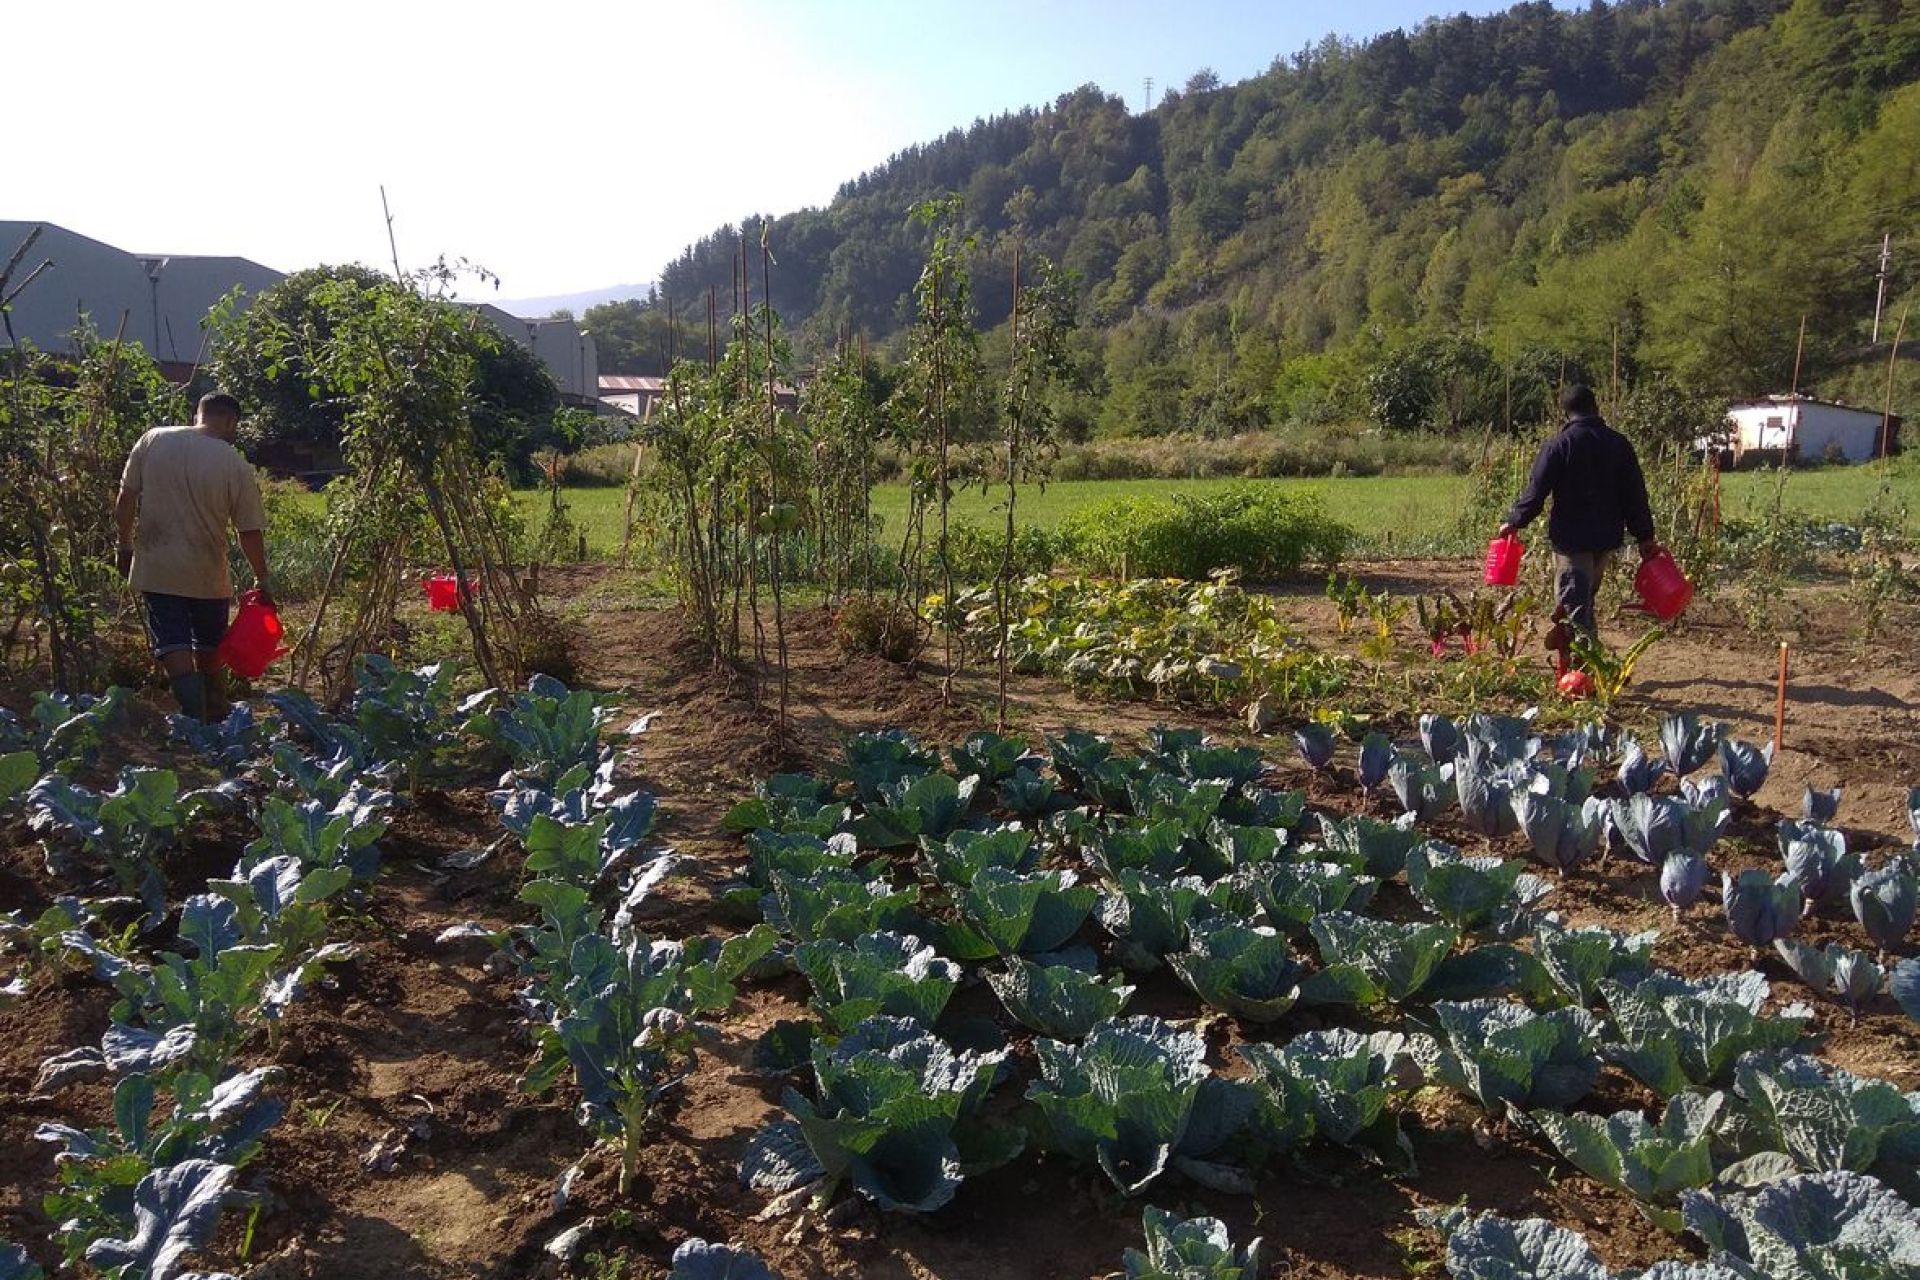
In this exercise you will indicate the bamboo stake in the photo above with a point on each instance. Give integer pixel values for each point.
(1893, 358)
(1780, 704)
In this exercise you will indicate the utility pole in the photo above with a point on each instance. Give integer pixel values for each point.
(1148, 82)
(1880, 295)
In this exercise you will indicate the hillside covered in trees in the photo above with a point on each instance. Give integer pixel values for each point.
(1422, 229)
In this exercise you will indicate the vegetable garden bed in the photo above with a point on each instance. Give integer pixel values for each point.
(407, 1147)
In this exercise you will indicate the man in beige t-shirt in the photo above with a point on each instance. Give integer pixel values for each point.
(183, 488)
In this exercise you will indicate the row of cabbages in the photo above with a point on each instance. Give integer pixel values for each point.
(896, 878)
(198, 979)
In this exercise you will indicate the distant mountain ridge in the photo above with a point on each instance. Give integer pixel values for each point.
(577, 303)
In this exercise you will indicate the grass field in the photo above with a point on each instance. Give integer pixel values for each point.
(1392, 514)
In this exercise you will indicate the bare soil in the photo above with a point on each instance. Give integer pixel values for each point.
(419, 1047)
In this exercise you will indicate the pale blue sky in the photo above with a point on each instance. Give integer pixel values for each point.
(566, 145)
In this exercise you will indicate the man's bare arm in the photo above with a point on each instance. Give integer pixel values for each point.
(253, 545)
(126, 508)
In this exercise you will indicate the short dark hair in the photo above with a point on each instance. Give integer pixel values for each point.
(221, 403)
(1577, 401)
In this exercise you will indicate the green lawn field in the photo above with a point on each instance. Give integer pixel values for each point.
(1391, 514)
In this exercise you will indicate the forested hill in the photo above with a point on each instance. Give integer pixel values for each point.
(1682, 179)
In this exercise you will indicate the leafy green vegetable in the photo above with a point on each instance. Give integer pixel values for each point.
(1824, 1118)
(1688, 743)
(1422, 788)
(1471, 893)
(788, 802)
(877, 973)
(545, 731)
(1846, 975)
(897, 1113)
(1819, 1226)
(1561, 834)
(1158, 848)
(1190, 1249)
(1293, 894)
(1577, 959)
(929, 806)
(1248, 971)
(1004, 914)
(1508, 1057)
(1817, 861)
(1885, 901)
(1349, 1080)
(1149, 916)
(991, 757)
(964, 854)
(1676, 1034)
(697, 1260)
(1759, 908)
(840, 903)
(1652, 1163)
(1059, 1001)
(175, 1211)
(1367, 961)
(1378, 848)
(1127, 1098)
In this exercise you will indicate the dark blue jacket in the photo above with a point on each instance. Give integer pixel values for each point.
(1599, 493)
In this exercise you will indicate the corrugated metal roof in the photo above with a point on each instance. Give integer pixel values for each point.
(611, 382)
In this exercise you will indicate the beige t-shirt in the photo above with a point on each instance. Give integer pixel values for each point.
(192, 488)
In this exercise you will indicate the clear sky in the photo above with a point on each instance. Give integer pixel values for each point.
(566, 145)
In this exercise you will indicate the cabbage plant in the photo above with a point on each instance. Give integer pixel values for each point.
(1471, 893)
(1688, 743)
(1639, 772)
(1439, 738)
(1824, 1118)
(1817, 861)
(840, 903)
(964, 854)
(1002, 913)
(1760, 909)
(1293, 894)
(1578, 959)
(1149, 915)
(1507, 1057)
(1744, 766)
(1316, 744)
(1376, 757)
(1820, 806)
(1189, 1249)
(1675, 1034)
(1349, 1081)
(1060, 1001)
(913, 808)
(1885, 901)
(896, 1113)
(1651, 1162)
(1421, 788)
(1248, 971)
(1835, 971)
(1560, 834)
(1818, 1226)
(877, 973)
(1489, 1247)
(1159, 848)
(1367, 961)
(1136, 1098)
(1683, 877)
(1654, 826)
(697, 1259)
(991, 757)
(545, 731)
(1367, 844)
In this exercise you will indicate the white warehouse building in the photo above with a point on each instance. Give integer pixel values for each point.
(1803, 428)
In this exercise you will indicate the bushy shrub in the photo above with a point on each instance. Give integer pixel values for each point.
(976, 550)
(871, 624)
(1251, 528)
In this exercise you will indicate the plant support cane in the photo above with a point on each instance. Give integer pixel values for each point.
(1780, 704)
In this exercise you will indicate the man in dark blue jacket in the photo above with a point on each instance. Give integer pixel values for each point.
(1599, 495)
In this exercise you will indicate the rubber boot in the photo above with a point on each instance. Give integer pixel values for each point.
(216, 695)
(190, 691)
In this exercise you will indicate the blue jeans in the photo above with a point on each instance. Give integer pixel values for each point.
(177, 624)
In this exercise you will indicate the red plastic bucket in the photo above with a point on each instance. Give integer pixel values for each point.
(1664, 591)
(1503, 561)
(253, 641)
(443, 593)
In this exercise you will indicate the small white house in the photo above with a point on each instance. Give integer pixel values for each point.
(1812, 430)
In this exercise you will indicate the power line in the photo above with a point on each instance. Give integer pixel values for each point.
(1148, 82)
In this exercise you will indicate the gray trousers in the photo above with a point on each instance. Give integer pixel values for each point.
(1577, 579)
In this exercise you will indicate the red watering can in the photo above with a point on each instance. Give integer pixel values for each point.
(1503, 561)
(1664, 591)
(253, 641)
(443, 593)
